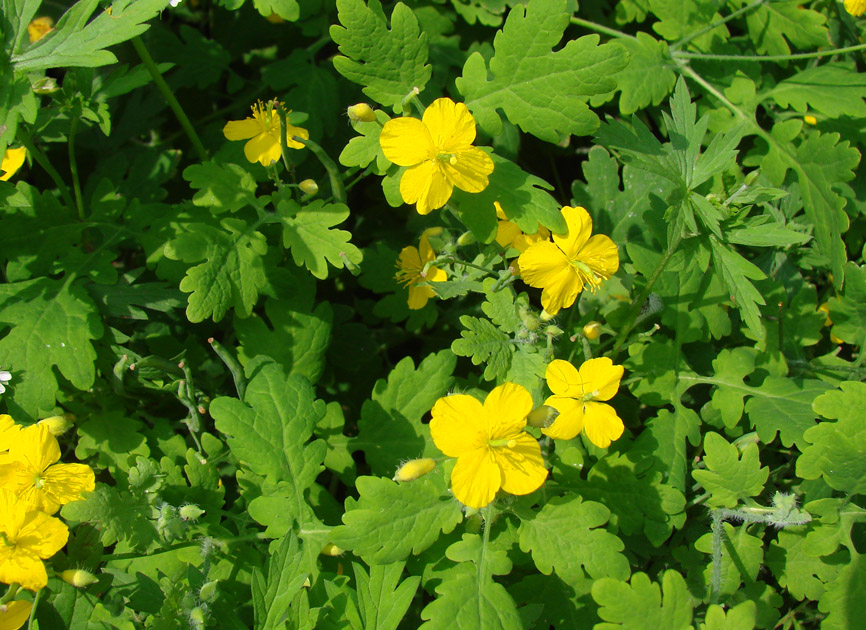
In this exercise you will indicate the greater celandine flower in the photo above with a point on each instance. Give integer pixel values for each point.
(27, 536)
(29, 470)
(492, 450)
(438, 152)
(12, 161)
(577, 395)
(263, 132)
(562, 268)
(411, 264)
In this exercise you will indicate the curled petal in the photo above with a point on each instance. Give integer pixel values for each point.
(243, 129)
(406, 142)
(457, 426)
(522, 465)
(16, 614)
(579, 228)
(570, 420)
(506, 408)
(426, 186)
(602, 376)
(601, 424)
(476, 478)
(451, 125)
(563, 379)
(470, 169)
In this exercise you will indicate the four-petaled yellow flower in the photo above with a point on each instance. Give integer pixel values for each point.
(572, 261)
(29, 470)
(12, 161)
(575, 396)
(855, 7)
(411, 264)
(439, 153)
(263, 131)
(488, 440)
(26, 537)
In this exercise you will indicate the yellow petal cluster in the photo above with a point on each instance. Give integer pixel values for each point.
(562, 268)
(263, 132)
(493, 452)
(577, 396)
(438, 153)
(12, 161)
(411, 272)
(508, 234)
(855, 7)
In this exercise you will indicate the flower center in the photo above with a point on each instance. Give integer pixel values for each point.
(507, 443)
(5, 540)
(590, 396)
(38, 482)
(451, 158)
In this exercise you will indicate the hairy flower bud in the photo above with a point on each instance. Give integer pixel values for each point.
(592, 330)
(208, 590)
(414, 468)
(190, 512)
(332, 550)
(58, 425)
(79, 578)
(361, 112)
(309, 186)
(542, 416)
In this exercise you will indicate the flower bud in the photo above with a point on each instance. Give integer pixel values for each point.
(546, 317)
(530, 320)
(190, 512)
(542, 416)
(332, 550)
(79, 578)
(208, 590)
(592, 330)
(467, 238)
(58, 425)
(309, 186)
(361, 113)
(45, 85)
(196, 617)
(810, 120)
(751, 177)
(414, 468)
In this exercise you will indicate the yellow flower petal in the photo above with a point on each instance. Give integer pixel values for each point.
(15, 615)
(570, 420)
(506, 232)
(579, 228)
(36, 448)
(544, 265)
(522, 465)
(242, 129)
(469, 170)
(601, 424)
(406, 142)
(601, 254)
(291, 130)
(65, 483)
(12, 161)
(855, 7)
(451, 125)
(8, 431)
(263, 149)
(563, 379)
(458, 425)
(426, 186)
(42, 534)
(476, 478)
(419, 294)
(506, 408)
(602, 376)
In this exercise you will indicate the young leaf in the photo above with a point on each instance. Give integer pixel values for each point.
(736, 271)
(221, 187)
(848, 309)
(392, 68)
(772, 23)
(485, 344)
(383, 604)
(273, 597)
(121, 516)
(730, 476)
(471, 602)
(642, 604)
(648, 77)
(545, 93)
(834, 89)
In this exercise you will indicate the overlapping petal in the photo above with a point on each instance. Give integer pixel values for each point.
(407, 142)
(458, 424)
(264, 149)
(602, 376)
(469, 170)
(563, 379)
(426, 186)
(522, 465)
(476, 478)
(569, 423)
(579, 228)
(452, 127)
(242, 129)
(602, 424)
(544, 266)
(506, 408)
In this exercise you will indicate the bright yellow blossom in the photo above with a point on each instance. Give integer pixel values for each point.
(14, 614)
(39, 28)
(30, 471)
(855, 7)
(411, 264)
(12, 161)
(8, 432)
(509, 235)
(492, 450)
(263, 132)
(575, 396)
(572, 261)
(26, 537)
(439, 153)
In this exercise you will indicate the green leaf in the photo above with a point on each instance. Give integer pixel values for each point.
(17, 103)
(382, 602)
(485, 344)
(47, 324)
(848, 309)
(834, 89)
(362, 150)
(77, 42)
(773, 25)
(785, 406)
(232, 273)
(545, 93)
(566, 536)
(742, 558)
(735, 272)
(731, 476)
(797, 568)
(740, 617)
(845, 598)
(836, 451)
(121, 516)
(289, 10)
(285, 577)
(391, 68)
(307, 233)
(730, 367)
(682, 18)
(112, 438)
(648, 77)
(390, 520)
(221, 187)
(642, 604)
(472, 603)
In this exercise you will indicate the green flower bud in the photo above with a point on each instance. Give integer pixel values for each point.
(361, 113)
(467, 238)
(332, 550)
(542, 416)
(190, 512)
(79, 578)
(58, 425)
(208, 591)
(309, 187)
(414, 468)
(592, 330)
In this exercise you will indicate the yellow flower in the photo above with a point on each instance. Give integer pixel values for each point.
(411, 264)
(489, 443)
(14, 614)
(12, 161)
(30, 471)
(563, 267)
(263, 130)
(8, 432)
(439, 153)
(509, 235)
(26, 537)
(855, 7)
(576, 395)
(39, 28)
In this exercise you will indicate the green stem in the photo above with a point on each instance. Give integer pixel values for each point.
(33, 608)
(237, 371)
(685, 40)
(10, 593)
(716, 581)
(337, 188)
(593, 26)
(73, 168)
(169, 97)
(110, 557)
(42, 160)
(812, 55)
(454, 261)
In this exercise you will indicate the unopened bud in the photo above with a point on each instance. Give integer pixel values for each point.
(414, 468)
(309, 186)
(592, 330)
(467, 238)
(361, 113)
(190, 512)
(530, 320)
(208, 590)
(751, 177)
(45, 85)
(546, 317)
(331, 550)
(196, 617)
(58, 425)
(553, 331)
(79, 578)
(541, 417)
(810, 120)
